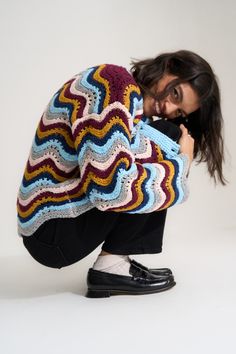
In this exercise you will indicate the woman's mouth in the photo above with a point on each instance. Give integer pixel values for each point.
(158, 108)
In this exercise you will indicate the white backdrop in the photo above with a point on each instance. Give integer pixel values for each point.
(43, 44)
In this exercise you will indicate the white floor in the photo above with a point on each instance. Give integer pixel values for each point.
(44, 310)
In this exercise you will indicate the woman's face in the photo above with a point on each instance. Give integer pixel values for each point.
(182, 100)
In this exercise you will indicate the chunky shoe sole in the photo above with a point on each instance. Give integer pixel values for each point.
(91, 293)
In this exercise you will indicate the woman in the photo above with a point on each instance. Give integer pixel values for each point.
(99, 171)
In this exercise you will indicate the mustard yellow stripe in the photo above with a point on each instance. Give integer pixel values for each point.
(136, 120)
(42, 134)
(128, 90)
(105, 82)
(75, 102)
(43, 169)
(138, 189)
(45, 200)
(42, 201)
(104, 181)
(100, 133)
(159, 153)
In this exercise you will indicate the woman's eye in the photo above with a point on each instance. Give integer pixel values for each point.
(176, 94)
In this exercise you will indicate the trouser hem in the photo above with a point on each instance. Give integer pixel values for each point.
(132, 251)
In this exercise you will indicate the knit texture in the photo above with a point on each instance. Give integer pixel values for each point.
(93, 147)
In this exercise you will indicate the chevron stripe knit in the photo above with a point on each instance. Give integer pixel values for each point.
(94, 148)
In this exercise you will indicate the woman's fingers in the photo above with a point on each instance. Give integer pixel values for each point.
(186, 142)
(184, 129)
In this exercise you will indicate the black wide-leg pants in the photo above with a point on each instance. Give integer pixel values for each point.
(63, 241)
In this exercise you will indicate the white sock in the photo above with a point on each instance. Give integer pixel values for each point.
(113, 263)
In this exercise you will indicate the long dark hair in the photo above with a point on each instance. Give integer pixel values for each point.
(205, 124)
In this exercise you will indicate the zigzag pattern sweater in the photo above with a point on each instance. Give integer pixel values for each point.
(94, 148)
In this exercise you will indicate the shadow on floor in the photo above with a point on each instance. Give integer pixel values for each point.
(23, 277)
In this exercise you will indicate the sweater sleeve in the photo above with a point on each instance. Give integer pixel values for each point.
(126, 165)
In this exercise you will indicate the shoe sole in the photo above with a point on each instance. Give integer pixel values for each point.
(91, 293)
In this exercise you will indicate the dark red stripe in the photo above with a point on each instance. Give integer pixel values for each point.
(63, 126)
(163, 185)
(113, 74)
(81, 99)
(40, 197)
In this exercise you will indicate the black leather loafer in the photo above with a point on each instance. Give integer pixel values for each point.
(155, 271)
(140, 282)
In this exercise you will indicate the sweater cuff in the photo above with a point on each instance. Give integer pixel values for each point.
(184, 178)
(169, 146)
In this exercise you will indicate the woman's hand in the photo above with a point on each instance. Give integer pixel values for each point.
(186, 143)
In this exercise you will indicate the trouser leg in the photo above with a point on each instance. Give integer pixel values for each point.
(62, 242)
(136, 234)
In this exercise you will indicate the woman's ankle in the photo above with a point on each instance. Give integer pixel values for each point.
(104, 253)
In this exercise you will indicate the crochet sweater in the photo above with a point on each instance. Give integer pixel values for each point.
(93, 147)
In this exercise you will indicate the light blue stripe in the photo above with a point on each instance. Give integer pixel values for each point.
(178, 180)
(169, 146)
(40, 182)
(104, 149)
(93, 88)
(137, 105)
(58, 145)
(136, 141)
(116, 192)
(55, 110)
